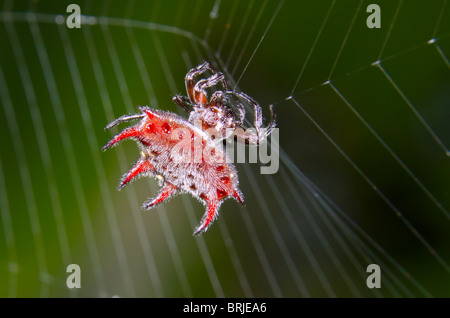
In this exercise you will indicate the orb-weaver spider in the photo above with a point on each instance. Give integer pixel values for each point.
(159, 135)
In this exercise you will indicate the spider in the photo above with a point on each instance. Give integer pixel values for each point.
(214, 113)
(184, 156)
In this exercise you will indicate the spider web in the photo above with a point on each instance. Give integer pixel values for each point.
(364, 157)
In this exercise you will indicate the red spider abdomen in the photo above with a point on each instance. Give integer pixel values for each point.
(183, 153)
(186, 159)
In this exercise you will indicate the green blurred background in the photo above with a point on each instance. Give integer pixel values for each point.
(364, 175)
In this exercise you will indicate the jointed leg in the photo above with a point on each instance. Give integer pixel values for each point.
(221, 96)
(200, 95)
(190, 78)
(260, 136)
(241, 110)
(184, 102)
(211, 81)
(122, 119)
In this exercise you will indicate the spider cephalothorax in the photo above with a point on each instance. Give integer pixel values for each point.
(219, 112)
(183, 155)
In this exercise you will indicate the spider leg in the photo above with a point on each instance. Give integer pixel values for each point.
(260, 136)
(142, 166)
(123, 119)
(219, 96)
(267, 130)
(213, 80)
(189, 79)
(200, 95)
(241, 110)
(184, 102)
(165, 193)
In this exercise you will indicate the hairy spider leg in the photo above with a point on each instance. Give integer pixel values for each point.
(220, 97)
(184, 102)
(189, 79)
(252, 139)
(199, 88)
(165, 193)
(123, 119)
(241, 110)
(142, 166)
(194, 96)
